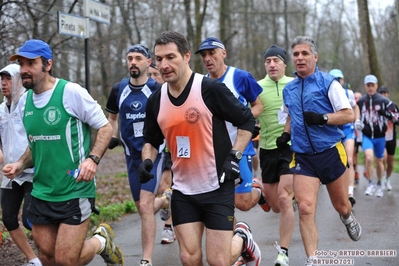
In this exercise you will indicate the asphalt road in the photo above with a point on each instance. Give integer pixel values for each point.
(379, 218)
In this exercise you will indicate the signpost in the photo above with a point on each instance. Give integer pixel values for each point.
(77, 26)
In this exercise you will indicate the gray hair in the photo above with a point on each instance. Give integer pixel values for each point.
(305, 40)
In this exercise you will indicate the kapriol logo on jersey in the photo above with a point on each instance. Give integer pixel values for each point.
(52, 115)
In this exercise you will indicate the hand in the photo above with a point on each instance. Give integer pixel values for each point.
(113, 143)
(144, 171)
(312, 118)
(231, 169)
(359, 125)
(385, 113)
(282, 141)
(255, 133)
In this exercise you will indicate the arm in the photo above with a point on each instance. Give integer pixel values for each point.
(88, 167)
(341, 117)
(256, 107)
(113, 120)
(14, 169)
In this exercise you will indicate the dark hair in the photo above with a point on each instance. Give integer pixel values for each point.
(305, 40)
(45, 64)
(173, 37)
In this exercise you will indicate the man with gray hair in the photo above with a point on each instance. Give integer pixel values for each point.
(316, 105)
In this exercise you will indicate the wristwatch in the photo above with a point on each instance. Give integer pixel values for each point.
(237, 154)
(325, 118)
(95, 158)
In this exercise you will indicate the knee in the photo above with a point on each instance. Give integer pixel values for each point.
(188, 258)
(306, 208)
(10, 222)
(243, 202)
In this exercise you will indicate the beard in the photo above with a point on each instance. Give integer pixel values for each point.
(135, 74)
(28, 84)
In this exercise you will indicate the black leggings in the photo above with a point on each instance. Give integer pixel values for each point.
(11, 200)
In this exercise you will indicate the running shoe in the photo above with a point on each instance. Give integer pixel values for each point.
(164, 213)
(168, 235)
(370, 190)
(111, 253)
(311, 261)
(250, 250)
(145, 263)
(257, 183)
(353, 227)
(352, 200)
(239, 262)
(379, 193)
(282, 258)
(294, 204)
(388, 184)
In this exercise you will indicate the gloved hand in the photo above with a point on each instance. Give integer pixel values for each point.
(312, 118)
(385, 113)
(231, 170)
(359, 125)
(113, 143)
(256, 131)
(282, 141)
(144, 171)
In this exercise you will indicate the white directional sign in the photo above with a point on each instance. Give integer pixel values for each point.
(73, 25)
(97, 11)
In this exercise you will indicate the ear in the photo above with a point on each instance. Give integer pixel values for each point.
(50, 65)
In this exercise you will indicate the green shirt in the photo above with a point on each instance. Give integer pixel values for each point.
(59, 142)
(272, 120)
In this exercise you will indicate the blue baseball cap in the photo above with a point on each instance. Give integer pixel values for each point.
(210, 43)
(370, 79)
(33, 49)
(139, 48)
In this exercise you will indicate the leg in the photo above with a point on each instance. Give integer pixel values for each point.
(11, 202)
(72, 248)
(306, 189)
(218, 247)
(189, 236)
(349, 147)
(368, 160)
(272, 196)
(339, 195)
(148, 223)
(45, 237)
(287, 219)
(246, 196)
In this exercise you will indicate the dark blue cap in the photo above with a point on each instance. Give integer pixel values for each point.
(210, 43)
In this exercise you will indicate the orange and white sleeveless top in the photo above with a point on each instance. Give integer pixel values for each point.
(188, 133)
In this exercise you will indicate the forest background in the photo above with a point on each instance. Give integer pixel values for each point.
(359, 37)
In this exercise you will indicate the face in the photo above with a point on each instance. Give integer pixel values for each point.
(304, 60)
(386, 94)
(170, 63)
(275, 67)
(137, 64)
(371, 88)
(213, 60)
(32, 73)
(6, 85)
(154, 74)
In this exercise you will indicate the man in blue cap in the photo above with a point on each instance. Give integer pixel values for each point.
(245, 88)
(375, 111)
(57, 116)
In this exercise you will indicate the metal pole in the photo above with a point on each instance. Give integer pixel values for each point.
(87, 64)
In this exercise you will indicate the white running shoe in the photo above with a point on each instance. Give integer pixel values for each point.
(379, 193)
(165, 211)
(370, 190)
(388, 185)
(168, 236)
(250, 250)
(282, 258)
